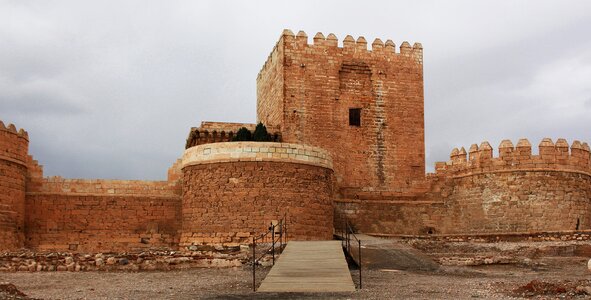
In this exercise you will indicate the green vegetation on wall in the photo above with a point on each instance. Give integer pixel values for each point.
(260, 134)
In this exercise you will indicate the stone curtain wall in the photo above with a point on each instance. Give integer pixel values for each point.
(519, 201)
(57, 214)
(487, 203)
(320, 82)
(518, 191)
(233, 191)
(479, 193)
(396, 216)
(13, 171)
(102, 215)
(102, 223)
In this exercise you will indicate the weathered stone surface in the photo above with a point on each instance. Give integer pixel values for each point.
(268, 192)
(308, 90)
(13, 172)
(99, 262)
(149, 260)
(71, 266)
(478, 203)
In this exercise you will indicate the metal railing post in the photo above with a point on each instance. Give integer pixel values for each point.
(273, 241)
(343, 233)
(359, 255)
(347, 235)
(281, 236)
(348, 239)
(264, 238)
(254, 262)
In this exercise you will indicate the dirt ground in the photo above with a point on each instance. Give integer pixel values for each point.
(467, 282)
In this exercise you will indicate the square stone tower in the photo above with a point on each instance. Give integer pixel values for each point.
(366, 107)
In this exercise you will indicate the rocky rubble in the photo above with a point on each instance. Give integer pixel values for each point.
(488, 253)
(563, 289)
(476, 260)
(9, 291)
(193, 257)
(579, 235)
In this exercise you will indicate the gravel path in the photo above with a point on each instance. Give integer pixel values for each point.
(485, 282)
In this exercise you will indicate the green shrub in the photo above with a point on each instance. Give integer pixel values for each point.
(261, 134)
(242, 135)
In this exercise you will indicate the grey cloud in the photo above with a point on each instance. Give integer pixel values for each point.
(37, 98)
(110, 89)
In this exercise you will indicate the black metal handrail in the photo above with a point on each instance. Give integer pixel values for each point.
(347, 235)
(275, 229)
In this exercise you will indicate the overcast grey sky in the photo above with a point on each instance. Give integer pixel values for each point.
(109, 89)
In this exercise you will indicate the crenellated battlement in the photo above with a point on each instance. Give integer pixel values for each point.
(557, 156)
(14, 144)
(11, 128)
(350, 45)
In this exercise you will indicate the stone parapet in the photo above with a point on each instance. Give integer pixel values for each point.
(219, 132)
(256, 151)
(105, 187)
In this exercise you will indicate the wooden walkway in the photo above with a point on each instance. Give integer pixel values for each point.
(310, 266)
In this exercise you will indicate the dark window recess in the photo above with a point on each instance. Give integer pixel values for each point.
(355, 116)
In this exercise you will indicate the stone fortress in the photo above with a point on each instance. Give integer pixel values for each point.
(348, 130)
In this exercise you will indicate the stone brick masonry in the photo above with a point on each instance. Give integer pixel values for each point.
(70, 222)
(56, 214)
(233, 191)
(13, 157)
(307, 90)
(515, 192)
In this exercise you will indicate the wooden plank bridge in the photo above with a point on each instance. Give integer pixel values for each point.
(310, 266)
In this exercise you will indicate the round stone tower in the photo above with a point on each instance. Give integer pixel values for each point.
(13, 170)
(233, 191)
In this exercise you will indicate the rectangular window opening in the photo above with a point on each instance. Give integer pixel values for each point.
(355, 117)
